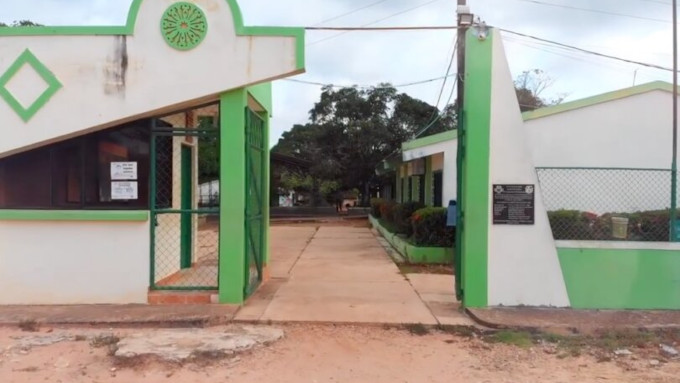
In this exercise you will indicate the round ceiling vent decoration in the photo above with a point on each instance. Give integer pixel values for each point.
(184, 26)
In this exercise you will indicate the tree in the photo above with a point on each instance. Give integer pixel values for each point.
(21, 23)
(351, 130)
(530, 86)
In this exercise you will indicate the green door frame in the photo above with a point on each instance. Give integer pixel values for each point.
(187, 199)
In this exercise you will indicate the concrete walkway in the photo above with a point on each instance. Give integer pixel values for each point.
(340, 275)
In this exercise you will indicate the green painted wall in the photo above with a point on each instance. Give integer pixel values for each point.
(475, 169)
(232, 196)
(621, 278)
(262, 93)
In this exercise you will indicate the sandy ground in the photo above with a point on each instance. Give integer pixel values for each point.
(316, 354)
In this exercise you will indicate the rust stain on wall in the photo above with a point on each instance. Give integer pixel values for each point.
(116, 67)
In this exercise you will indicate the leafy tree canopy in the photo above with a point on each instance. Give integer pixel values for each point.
(351, 130)
(21, 23)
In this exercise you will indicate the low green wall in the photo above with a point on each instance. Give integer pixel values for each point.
(618, 278)
(412, 253)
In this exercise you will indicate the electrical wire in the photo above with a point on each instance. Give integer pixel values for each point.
(587, 51)
(350, 12)
(404, 85)
(376, 21)
(657, 2)
(439, 115)
(352, 29)
(595, 11)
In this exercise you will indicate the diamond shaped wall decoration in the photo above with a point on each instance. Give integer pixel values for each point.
(53, 85)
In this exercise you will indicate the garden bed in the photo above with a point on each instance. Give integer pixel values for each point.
(410, 252)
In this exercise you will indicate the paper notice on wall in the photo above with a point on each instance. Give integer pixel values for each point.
(124, 190)
(123, 170)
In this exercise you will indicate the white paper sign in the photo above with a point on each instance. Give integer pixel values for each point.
(123, 170)
(123, 190)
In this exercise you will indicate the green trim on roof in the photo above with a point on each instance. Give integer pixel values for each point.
(129, 27)
(430, 140)
(601, 98)
(75, 215)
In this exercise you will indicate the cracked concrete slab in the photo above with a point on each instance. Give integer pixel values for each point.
(186, 344)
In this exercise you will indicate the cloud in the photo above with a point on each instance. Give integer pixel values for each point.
(371, 57)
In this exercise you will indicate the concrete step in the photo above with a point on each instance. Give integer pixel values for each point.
(181, 297)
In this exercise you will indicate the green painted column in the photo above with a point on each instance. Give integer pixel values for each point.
(475, 169)
(406, 193)
(397, 186)
(429, 197)
(232, 196)
(415, 188)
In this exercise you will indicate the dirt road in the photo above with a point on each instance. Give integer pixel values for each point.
(319, 354)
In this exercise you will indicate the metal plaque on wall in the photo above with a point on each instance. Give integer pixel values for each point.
(513, 204)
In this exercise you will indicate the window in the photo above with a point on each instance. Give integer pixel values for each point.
(77, 173)
(25, 180)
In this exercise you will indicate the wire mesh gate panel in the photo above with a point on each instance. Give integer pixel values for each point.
(185, 223)
(607, 203)
(255, 194)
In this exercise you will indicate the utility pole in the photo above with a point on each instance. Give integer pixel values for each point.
(674, 163)
(462, 7)
(464, 21)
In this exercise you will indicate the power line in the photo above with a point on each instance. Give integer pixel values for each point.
(657, 2)
(415, 28)
(349, 13)
(404, 85)
(443, 27)
(439, 115)
(377, 21)
(587, 51)
(595, 11)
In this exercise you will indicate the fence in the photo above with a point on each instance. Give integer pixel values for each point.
(185, 232)
(607, 203)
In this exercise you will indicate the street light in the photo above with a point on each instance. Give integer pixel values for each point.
(465, 18)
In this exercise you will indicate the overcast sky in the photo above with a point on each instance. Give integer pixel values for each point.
(641, 30)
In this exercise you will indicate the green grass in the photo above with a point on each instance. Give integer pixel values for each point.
(520, 339)
(417, 329)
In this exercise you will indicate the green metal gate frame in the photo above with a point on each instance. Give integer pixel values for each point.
(255, 194)
(155, 211)
(460, 213)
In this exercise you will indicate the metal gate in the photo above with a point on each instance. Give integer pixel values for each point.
(254, 214)
(184, 231)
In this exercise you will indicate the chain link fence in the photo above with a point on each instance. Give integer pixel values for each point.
(185, 149)
(607, 204)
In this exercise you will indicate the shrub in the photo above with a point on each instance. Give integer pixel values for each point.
(570, 224)
(649, 226)
(376, 204)
(386, 209)
(429, 228)
(401, 216)
(642, 226)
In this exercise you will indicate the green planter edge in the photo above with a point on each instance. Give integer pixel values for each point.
(412, 253)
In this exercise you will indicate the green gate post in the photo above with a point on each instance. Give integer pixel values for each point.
(232, 196)
(266, 189)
